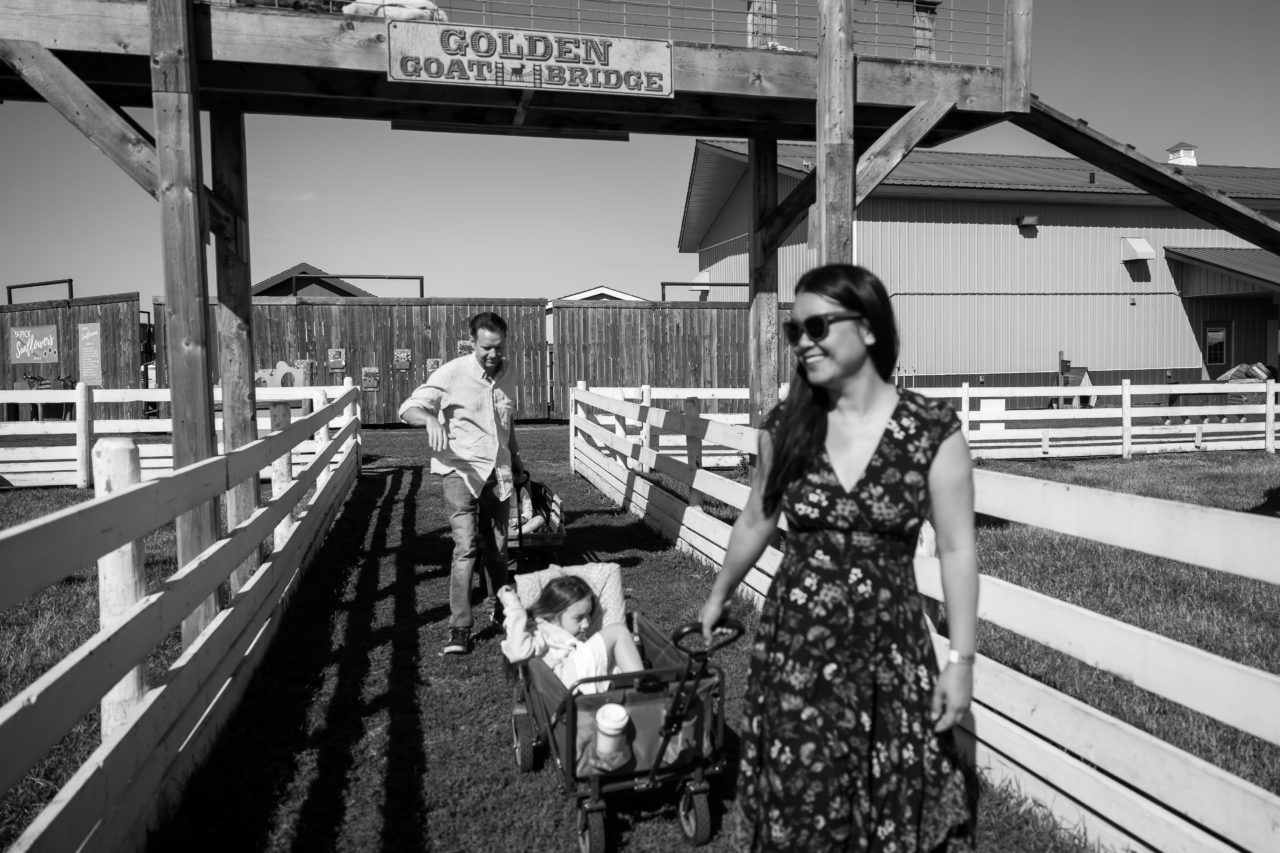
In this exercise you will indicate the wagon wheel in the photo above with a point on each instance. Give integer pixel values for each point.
(591, 835)
(522, 739)
(695, 817)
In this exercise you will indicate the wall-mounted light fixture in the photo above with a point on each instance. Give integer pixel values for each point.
(1028, 221)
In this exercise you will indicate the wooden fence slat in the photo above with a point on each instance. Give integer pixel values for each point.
(1235, 809)
(1150, 525)
(142, 753)
(1109, 799)
(741, 438)
(1230, 692)
(33, 721)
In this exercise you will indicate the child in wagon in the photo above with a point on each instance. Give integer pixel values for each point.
(554, 628)
(525, 517)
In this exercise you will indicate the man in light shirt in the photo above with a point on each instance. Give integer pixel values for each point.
(468, 408)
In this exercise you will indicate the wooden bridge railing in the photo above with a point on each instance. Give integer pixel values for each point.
(1119, 784)
(154, 737)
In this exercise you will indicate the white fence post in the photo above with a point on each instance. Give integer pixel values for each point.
(964, 409)
(693, 447)
(318, 402)
(1126, 420)
(620, 430)
(646, 431)
(84, 435)
(121, 579)
(281, 473)
(1269, 418)
(353, 411)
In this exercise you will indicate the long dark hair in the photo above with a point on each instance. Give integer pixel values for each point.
(798, 426)
(559, 595)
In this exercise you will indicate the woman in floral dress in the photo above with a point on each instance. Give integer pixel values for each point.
(846, 741)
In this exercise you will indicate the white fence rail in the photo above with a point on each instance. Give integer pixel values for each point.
(1122, 786)
(68, 463)
(154, 737)
(996, 430)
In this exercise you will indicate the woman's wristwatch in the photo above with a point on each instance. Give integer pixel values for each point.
(954, 656)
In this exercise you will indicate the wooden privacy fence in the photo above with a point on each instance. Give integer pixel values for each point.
(154, 736)
(1119, 784)
(68, 463)
(390, 346)
(625, 344)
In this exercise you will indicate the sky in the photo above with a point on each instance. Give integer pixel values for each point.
(517, 217)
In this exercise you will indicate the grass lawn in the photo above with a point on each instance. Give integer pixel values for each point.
(358, 735)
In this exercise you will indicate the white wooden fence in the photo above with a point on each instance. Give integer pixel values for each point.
(1121, 786)
(67, 463)
(154, 737)
(994, 430)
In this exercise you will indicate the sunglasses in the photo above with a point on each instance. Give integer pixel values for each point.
(815, 326)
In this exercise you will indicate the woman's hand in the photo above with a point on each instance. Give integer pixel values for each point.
(952, 694)
(710, 614)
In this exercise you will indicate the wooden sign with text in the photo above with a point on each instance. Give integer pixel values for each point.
(422, 52)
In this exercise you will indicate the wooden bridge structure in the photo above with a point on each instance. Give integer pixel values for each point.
(868, 80)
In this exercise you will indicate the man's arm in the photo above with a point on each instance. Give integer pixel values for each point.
(422, 409)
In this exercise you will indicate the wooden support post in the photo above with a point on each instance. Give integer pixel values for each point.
(837, 98)
(693, 446)
(109, 132)
(1126, 420)
(620, 430)
(84, 435)
(122, 582)
(762, 166)
(281, 473)
(1269, 418)
(964, 409)
(235, 334)
(1017, 55)
(186, 288)
(924, 22)
(318, 402)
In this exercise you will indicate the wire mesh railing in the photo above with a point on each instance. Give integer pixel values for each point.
(969, 32)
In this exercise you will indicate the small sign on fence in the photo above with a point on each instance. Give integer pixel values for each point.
(33, 345)
(401, 359)
(369, 378)
(89, 353)
(336, 359)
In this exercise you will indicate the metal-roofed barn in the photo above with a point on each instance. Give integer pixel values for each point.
(984, 299)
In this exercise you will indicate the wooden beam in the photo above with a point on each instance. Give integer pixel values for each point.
(783, 219)
(837, 68)
(264, 37)
(186, 288)
(1017, 55)
(884, 155)
(106, 129)
(762, 168)
(1170, 183)
(234, 316)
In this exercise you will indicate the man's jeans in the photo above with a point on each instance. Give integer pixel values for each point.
(479, 530)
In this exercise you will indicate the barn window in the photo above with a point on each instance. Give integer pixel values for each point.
(1215, 344)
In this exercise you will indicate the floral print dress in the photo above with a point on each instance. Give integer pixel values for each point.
(838, 747)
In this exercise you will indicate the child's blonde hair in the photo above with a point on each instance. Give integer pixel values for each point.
(559, 595)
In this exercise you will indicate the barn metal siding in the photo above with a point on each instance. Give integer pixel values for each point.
(976, 294)
(1193, 280)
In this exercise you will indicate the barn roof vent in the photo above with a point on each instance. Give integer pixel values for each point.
(1182, 154)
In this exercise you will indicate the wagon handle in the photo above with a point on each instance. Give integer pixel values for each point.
(726, 632)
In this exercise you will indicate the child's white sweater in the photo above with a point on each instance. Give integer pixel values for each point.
(542, 639)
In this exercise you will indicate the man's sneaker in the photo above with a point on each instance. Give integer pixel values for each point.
(459, 641)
